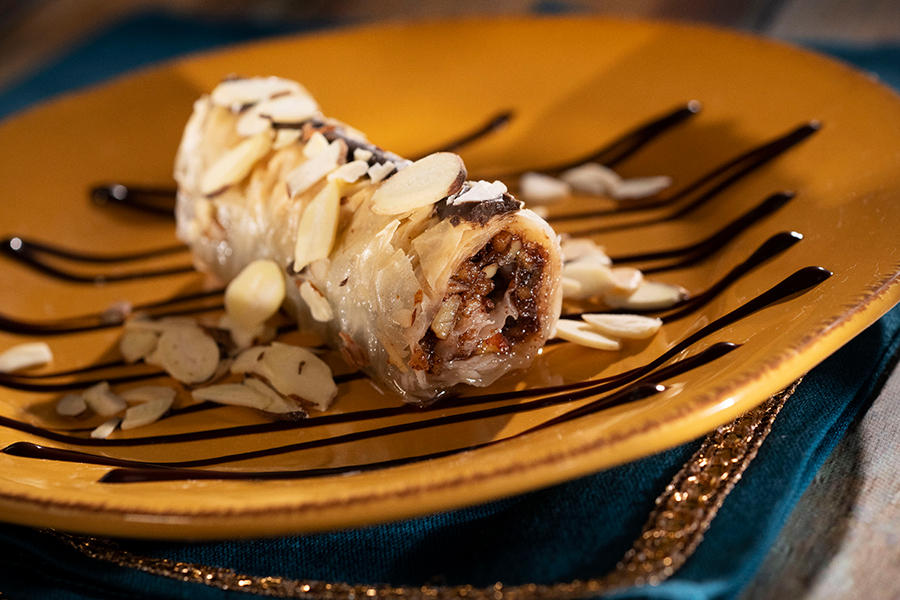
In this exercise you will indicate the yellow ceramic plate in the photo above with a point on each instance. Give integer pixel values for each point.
(573, 85)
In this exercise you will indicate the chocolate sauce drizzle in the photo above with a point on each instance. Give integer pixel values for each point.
(630, 386)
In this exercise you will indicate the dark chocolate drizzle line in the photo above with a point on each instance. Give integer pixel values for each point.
(153, 200)
(31, 253)
(707, 186)
(694, 252)
(178, 305)
(492, 125)
(632, 141)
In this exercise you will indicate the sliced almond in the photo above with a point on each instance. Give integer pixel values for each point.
(146, 413)
(293, 371)
(71, 405)
(584, 334)
(149, 393)
(136, 344)
(422, 183)
(313, 170)
(626, 279)
(443, 321)
(571, 288)
(315, 145)
(650, 295)
(591, 178)
(289, 109)
(238, 394)
(106, 429)
(379, 171)
(285, 137)
(479, 191)
(362, 154)
(537, 187)
(583, 249)
(317, 227)
(25, 356)
(276, 403)
(188, 354)
(596, 280)
(640, 187)
(255, 294)
(103, 401)
(237, 93)
(349, 172)
(630, 327)
(235, 164)
(318, 305)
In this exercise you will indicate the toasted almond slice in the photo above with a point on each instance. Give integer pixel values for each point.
(362, 154)
(445, 317)
(238, 394)
(24, 356)
(422, 183)
(315, 145)
(650, 295)
(591, 178)
(584, 334)
(188, 354)
(571, 288)
(379, 171)
(289, 109)
(71, 405)
(104, 430)
(625, 279)
(146, 412)
(102, 400)
(479, 191)
(136, 344)
(596, 280)
(583, 249)
(317, 227)
(237, 93)
(285, 137)
(318, 305)
(235, 164)
(537, 187)
(313, 170)
(292, 371)
(255, 294)
(640, 187)
(276, 403)
(349, 172)
(630, 327)
(148, 393)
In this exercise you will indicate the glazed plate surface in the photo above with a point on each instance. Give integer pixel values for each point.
(787, 145)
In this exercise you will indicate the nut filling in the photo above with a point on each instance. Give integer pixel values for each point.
(490, 304)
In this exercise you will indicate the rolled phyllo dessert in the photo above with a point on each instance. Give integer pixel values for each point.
(423, 279)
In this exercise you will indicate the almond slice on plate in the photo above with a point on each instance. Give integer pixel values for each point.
(584, 334)
(238, 394)
(188, 354)
(591, 178)
(102, 400)
(538, 187)
(422, 183)
(71, 405)
(146, 412)
(24, 356)
(631, 327)
(650, 295)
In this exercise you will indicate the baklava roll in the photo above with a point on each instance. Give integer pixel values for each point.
(424, 280)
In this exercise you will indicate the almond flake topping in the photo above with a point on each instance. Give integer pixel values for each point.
(420, 184)
(24, 356)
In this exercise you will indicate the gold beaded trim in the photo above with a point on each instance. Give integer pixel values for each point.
(682, 515)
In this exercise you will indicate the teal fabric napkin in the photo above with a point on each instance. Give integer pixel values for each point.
(578, 530)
